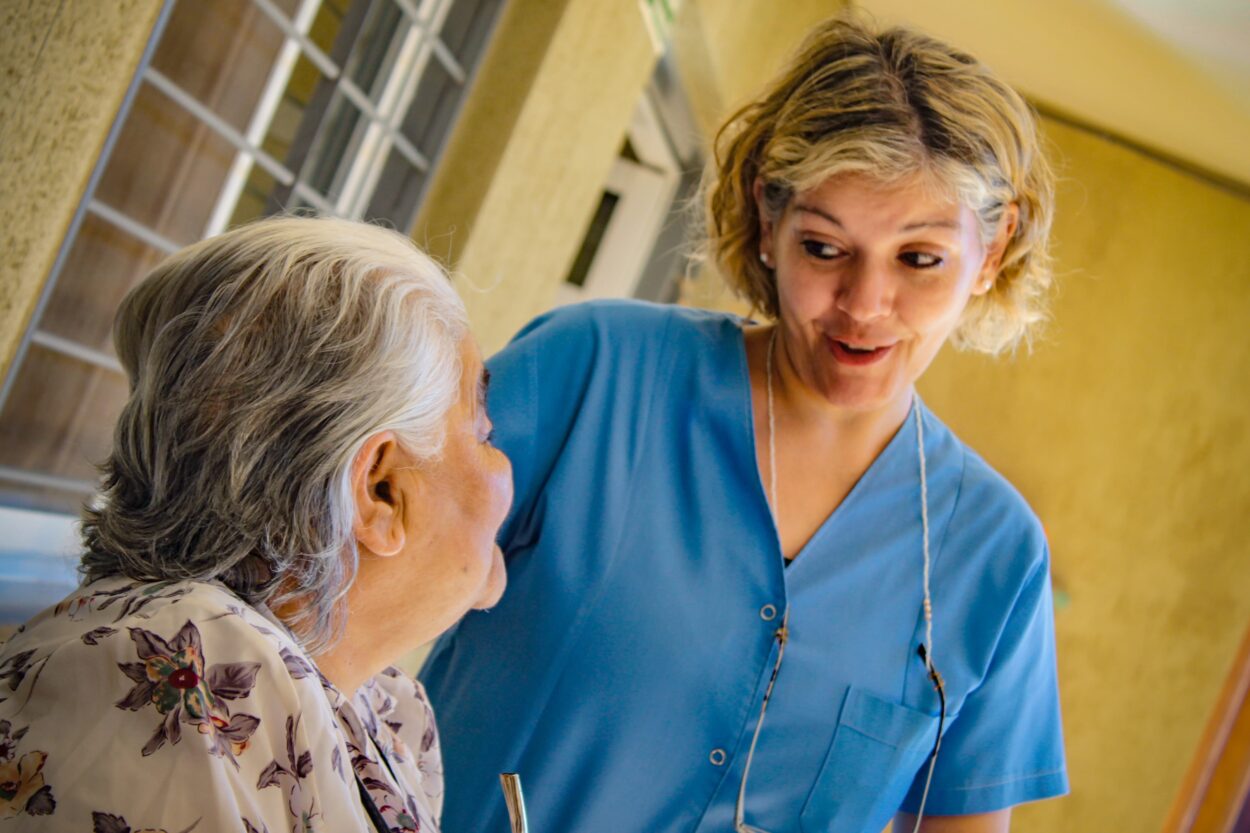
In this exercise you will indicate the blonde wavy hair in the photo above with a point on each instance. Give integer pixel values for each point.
(892, 105)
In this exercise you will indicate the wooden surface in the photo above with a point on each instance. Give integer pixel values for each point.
(1215, 787)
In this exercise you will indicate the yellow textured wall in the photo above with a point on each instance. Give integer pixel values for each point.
(1091, 59)
(64, 69)
(1127, 431)
(519, 229)
(483, 130)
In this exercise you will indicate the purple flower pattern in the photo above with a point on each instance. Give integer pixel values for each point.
(161, 638)
(290, 775)
(172, 678)
(22, 787)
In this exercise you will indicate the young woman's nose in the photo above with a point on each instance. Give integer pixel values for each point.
(865, 291)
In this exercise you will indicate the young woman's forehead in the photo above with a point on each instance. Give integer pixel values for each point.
(848, 200)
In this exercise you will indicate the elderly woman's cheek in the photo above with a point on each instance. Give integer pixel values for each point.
(497, 499)
(487, 498)
(496, 582)
(503, 489)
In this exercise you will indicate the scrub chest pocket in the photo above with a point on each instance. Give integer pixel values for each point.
(877, 749)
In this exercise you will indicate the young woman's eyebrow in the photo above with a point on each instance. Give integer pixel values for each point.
(920, 224)
(808, 209)
(947, 224)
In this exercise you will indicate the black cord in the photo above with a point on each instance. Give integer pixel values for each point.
(375, 815)
(371, 807)
(940, 687)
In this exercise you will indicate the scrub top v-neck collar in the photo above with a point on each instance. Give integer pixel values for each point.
(746, 446)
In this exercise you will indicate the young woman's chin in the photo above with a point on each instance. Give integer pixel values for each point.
(860, 393)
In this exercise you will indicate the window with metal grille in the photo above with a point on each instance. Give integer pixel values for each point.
(241, 108)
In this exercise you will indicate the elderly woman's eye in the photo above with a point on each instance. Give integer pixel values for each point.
(920, 260)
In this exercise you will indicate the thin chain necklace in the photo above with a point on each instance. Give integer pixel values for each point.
(783, 632)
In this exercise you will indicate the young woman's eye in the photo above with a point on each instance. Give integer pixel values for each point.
(820, 249)
(920, 260)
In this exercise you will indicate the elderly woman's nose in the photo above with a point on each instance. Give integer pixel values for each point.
(865, 291)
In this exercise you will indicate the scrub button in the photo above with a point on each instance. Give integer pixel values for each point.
(717, 757)
(768, 613)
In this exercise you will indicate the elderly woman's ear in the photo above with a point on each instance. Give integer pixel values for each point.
(381, 496)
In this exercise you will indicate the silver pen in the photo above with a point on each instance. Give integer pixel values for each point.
(515, 799)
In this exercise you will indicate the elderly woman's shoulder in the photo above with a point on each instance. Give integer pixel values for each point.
(177, 689)
(184, 635)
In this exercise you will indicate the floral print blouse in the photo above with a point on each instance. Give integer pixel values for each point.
(171, 707)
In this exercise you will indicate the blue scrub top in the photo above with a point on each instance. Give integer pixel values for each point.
(622, 673)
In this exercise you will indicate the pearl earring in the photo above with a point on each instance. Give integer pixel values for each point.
(764, 259)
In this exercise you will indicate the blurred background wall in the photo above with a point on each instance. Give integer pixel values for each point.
(1126, 429)
(570, 135)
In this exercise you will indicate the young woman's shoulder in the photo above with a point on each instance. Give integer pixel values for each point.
(626, 324)
(990, 517)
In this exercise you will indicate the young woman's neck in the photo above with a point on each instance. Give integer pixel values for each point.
(806, 411)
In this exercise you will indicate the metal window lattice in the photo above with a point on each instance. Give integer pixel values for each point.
(382, 140)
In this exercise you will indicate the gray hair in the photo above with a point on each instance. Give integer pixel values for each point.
(260, 361)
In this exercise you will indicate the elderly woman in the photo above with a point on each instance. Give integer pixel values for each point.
(302, 488)
(753, 578)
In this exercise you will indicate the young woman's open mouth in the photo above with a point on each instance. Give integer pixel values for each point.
(856, 354)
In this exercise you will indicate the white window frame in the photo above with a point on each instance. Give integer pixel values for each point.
(644, 191)
(421, 43)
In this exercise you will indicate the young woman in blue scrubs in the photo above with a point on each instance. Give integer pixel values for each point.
(705, 504)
